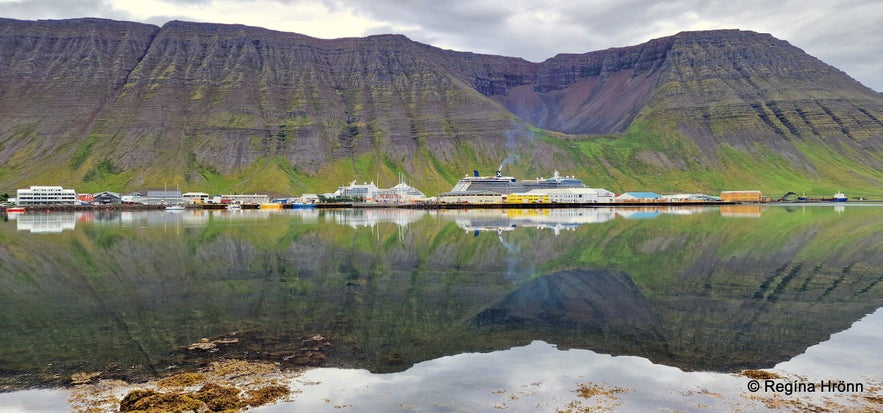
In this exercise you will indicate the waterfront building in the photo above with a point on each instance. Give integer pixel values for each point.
(400, 194)
(690, 198)
(470, 198)
(365, 192)
(309, 198)
(244, 199)
(533, 197)
(46, 195)
(742, 196)
(576, 195)
(86, 198)
(107, 198)
(161, 198)
(195, 197)
(639, 197)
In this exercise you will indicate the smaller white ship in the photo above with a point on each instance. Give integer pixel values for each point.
(839, 197)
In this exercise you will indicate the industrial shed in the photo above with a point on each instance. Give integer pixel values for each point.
(107, 198)
(639, 197)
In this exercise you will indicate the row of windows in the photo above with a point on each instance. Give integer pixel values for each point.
(44, 197)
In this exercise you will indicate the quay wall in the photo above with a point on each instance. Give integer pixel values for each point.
(108, 207)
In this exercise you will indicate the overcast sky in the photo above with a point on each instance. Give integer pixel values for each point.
(847, 34)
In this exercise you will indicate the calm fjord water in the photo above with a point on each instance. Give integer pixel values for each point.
(701, 289)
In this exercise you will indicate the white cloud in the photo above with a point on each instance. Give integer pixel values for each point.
(313, 18)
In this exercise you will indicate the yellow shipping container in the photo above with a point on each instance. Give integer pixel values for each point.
(741, 196)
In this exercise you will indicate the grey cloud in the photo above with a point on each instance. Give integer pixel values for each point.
(61, 9)
(844, 34)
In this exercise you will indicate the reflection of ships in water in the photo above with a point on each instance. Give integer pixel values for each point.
(556, 219)
(370, 217)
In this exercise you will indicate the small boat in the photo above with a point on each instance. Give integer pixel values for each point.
(175, 208)
(15, 209)
(234, 207)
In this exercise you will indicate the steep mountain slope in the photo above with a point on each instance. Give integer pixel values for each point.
(763, 92)
(100, 104)
(213, 100)
(57, 78)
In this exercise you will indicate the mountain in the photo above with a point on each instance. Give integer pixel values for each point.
(98, 104)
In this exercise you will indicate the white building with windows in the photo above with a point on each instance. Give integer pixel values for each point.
(365, 192)
(46, 195)
(576, 195)
(483, 197)
(195, 197)
(163, 197)
(400, 194)
(254, 199)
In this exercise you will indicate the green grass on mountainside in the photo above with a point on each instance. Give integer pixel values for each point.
(647, 157)
(616, 163)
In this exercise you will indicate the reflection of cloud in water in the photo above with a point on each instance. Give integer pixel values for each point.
(539, 377)
(846, 355)
(523, 378)
(519, 379)
(38, 400)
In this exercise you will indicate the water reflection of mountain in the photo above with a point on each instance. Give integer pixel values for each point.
(697, 291)
(605, 312)
(595, 300)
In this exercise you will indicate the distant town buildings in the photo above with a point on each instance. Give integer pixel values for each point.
(470, 190)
